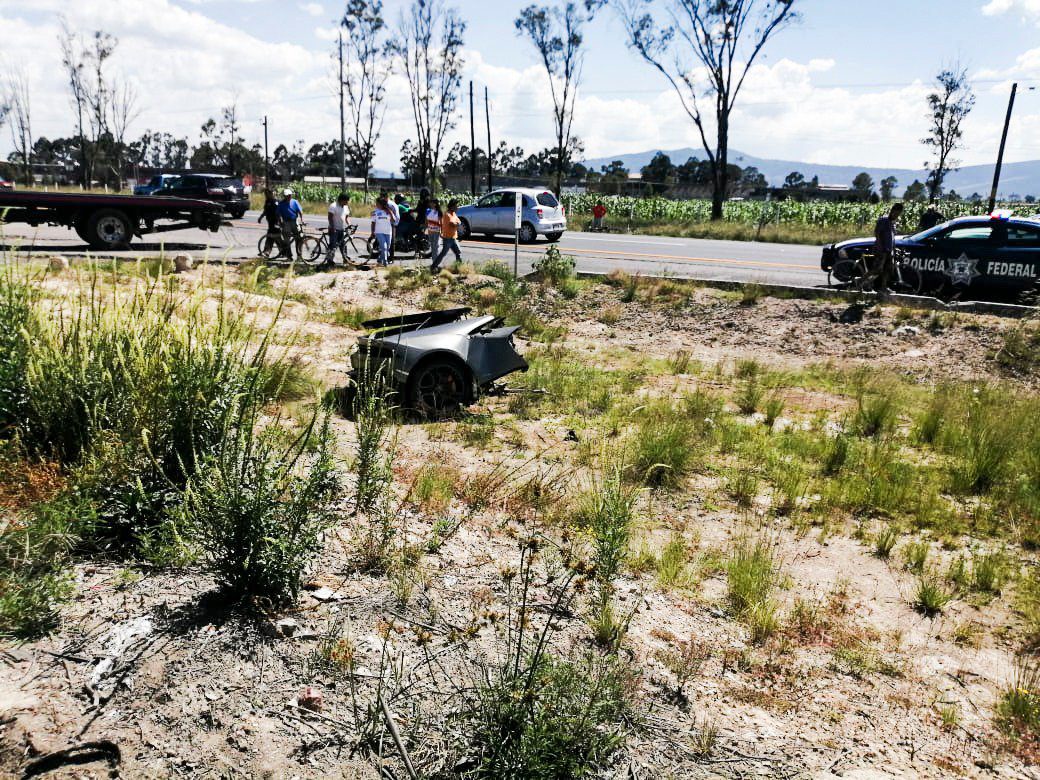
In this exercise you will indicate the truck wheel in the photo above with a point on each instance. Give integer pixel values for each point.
(80, 226)
(108, 229)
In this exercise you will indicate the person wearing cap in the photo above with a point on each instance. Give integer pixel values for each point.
(291, 213)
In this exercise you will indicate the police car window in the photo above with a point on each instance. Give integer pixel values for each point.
(972, 233)
(1019, 235)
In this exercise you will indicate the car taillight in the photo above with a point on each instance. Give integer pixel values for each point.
(214, 191)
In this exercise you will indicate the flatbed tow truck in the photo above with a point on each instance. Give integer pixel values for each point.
(108, 222)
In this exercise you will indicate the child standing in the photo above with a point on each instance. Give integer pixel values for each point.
(449, 235)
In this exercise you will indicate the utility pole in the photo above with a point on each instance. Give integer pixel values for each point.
(1000, 154)
(487, 113)
(267, 159)
(472, 146)
(342, 126)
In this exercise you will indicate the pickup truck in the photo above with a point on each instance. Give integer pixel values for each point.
(108, 222)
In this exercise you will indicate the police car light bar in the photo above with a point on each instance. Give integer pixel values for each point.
(1002, 214)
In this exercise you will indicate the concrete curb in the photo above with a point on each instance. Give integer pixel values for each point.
(929, 303)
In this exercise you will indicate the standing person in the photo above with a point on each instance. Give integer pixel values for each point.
(339, 213)
(395, 216)
(885, 246)
(449, 236)
(383, 229)
(433, 226)
(291, 213)
(598, 212)
(930, 218)
(270, 213)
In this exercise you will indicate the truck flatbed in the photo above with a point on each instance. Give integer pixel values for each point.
(108, 221)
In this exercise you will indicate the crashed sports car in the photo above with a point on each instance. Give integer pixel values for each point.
(990, 256)
(441, 361)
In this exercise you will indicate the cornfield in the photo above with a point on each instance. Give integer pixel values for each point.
(624, 209)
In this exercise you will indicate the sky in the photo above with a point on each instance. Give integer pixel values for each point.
(845, 85)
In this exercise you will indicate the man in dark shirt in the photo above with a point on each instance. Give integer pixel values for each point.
(884, 246)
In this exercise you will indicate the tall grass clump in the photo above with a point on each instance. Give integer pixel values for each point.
(258, 507)
(984, 440)
(536, 714)
(129, 389)
(663, 448)
(752, 573)
(1018, 709)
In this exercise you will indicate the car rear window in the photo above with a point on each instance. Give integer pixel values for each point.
(548, 199)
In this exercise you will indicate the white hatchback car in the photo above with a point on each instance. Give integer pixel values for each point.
(494, 213)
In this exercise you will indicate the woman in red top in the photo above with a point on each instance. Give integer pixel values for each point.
(598, 212)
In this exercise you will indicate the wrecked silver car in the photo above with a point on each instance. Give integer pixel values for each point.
(441, 360)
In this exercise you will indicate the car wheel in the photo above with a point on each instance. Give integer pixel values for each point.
(844, 272)
(439, 387)
(553, 237)
(464, 231)
(108, 229)
(527, 233)
(238, 213)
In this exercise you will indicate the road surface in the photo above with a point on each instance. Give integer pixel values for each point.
(738, 261)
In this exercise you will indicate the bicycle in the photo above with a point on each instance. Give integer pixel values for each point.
(418, 244)
(861, 273)
(321, 248)
(264, 249)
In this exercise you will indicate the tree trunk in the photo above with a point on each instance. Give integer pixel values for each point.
(721, 183)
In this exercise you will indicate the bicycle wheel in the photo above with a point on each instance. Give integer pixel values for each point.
(268, 251)
(310, 251)
(906, 280)
(351, 260)
(846, 272)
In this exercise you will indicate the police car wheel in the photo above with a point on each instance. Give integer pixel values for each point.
(844, 272)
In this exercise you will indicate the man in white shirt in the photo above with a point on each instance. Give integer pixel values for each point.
(339, 213)
(382, 229)
(395, 217)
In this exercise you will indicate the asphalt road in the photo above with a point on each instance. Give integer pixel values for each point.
(649, 255)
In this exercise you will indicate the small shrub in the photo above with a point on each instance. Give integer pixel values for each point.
(836, 454)
(752, 572)
(610, 315)
(434, 487)
(930, 597)
(884, 541)
(915, 555)
(875, 415)
(663, 448)
(685, 660)
(680, 361)
(553, 267)
(989, 572)
(353, 316)
(1018, 709)
(749, 398)
(1019, 351)
(497, 269)
(672, 571)
(774, 407)
(751, 293)
(258, 509)
(743, 487)
(984, 443)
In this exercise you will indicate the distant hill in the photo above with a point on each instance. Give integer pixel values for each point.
(1022, 178)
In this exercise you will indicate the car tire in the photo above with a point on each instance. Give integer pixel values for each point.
(464, 231)
(844, 272)
(439, 387)
(553, 237)
(527, 233)
(238, 213)
(108, 229)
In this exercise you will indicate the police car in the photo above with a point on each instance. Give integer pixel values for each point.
(995, 256)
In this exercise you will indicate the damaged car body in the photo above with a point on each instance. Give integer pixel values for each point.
(441, 361)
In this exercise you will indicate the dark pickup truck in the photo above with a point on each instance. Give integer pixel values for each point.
(108, 221)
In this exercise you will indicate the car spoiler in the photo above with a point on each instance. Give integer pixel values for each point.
(424, 319)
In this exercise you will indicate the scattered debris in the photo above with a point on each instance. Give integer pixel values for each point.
(906, 331)
(58, 263)
(311, 698)
(121, 639)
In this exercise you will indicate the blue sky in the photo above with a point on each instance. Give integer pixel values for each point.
(845, 85)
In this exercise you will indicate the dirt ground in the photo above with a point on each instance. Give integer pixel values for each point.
(193, 689)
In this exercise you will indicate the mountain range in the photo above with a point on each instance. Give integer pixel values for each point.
(1021, 178)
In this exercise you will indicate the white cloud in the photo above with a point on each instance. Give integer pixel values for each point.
(314, 9)
(1027, 8)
